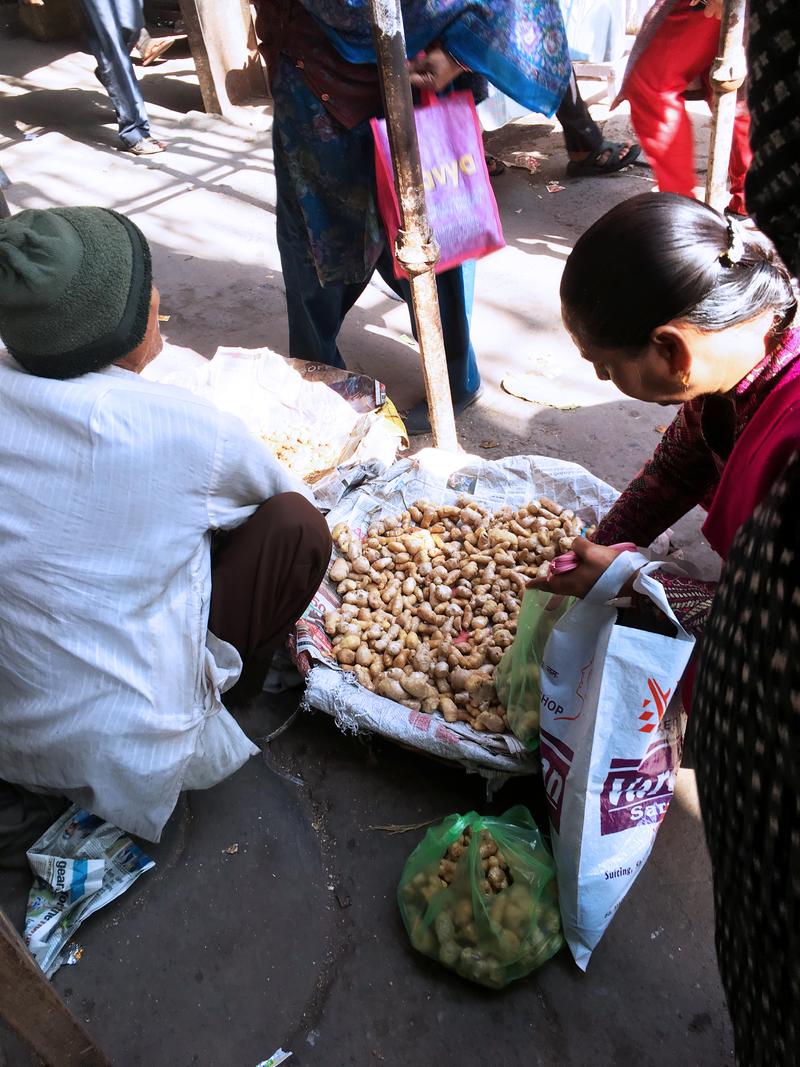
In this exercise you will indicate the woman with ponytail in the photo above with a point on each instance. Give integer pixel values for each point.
(693, 309)
(690, 309)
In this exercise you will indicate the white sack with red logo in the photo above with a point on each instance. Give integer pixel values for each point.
(611, 743)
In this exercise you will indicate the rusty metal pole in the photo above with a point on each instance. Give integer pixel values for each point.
(417, 250)
(727, 76)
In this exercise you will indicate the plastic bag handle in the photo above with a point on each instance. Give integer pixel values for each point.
(569, 560)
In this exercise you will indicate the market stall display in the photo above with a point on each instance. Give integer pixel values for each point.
(444, 703)
(479, 895)
(430, 600)
(332, 428)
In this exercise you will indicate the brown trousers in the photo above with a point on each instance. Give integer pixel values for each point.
(263, 576)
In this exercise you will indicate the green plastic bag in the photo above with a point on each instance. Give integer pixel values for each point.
(516, 678)
(490, 928)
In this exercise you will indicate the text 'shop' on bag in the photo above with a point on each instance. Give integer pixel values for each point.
(611, 741)
(462, 210)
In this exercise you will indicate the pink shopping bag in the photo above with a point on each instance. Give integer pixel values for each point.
(462, 209)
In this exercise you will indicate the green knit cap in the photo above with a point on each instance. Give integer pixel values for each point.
(75, 289)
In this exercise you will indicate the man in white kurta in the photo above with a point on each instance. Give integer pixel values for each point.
(110, 489)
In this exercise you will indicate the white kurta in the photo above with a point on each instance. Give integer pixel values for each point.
(109, 682)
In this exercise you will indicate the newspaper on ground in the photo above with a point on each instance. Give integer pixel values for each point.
(334, 429)
(441, 478)
(278, 1056)
(80, 864)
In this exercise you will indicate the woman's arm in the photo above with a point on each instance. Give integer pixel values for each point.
(680, 475)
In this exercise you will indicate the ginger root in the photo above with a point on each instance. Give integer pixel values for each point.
(430, 600)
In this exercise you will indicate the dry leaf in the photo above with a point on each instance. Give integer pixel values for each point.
(489, 443)
(403, 828)
(232, 849)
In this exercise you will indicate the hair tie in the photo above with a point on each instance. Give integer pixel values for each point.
(735, 250)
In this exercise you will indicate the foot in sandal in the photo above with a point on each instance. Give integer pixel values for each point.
(607, 158)
(152, 48)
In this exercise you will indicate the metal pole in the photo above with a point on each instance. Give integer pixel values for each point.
(727, 75)
(417, 250)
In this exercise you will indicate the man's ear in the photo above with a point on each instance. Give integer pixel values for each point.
(671, 345)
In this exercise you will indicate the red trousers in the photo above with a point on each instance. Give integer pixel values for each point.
(683, 48)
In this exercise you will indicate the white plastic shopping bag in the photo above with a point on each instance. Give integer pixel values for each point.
(611, 742)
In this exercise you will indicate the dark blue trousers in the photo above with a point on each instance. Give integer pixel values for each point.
(316, 312)
(112, 29)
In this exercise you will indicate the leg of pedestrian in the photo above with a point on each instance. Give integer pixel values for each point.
(682, 50)
(589, 153)
(112, 30)
(456, 290)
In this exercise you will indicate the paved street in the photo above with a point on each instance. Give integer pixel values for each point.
(295, 941)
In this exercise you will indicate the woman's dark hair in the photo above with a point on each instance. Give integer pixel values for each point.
(661, 256)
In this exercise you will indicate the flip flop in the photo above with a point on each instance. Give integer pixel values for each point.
(158, 46)
(590, 168)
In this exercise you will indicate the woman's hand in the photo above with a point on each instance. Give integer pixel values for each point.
(713, 8)
(593, 561)
(433, 70)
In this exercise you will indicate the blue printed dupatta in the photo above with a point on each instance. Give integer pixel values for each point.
(519, 45)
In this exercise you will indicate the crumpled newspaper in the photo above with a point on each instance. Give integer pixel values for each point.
(80, 864)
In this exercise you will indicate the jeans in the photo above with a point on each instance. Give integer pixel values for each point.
(112, 29)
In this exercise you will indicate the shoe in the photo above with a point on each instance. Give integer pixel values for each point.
(148, 146)
(417, 419)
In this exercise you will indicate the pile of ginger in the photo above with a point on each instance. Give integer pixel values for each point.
(430, 600)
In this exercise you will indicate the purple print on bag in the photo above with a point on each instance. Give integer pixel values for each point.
(638, 792)
(462, 210)
(556, 762)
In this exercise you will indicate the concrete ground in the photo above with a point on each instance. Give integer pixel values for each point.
(217, 959)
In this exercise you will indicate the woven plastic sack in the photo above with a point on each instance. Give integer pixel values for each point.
(517, 676)
(491, 928)
(462, 210)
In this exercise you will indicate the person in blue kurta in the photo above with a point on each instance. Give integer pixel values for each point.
(324, 83)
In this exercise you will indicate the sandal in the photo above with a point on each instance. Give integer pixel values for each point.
(590, 168)
(157, 46)
(495, 166)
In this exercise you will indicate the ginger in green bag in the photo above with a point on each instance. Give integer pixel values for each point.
(479, 895)
(517, 675)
